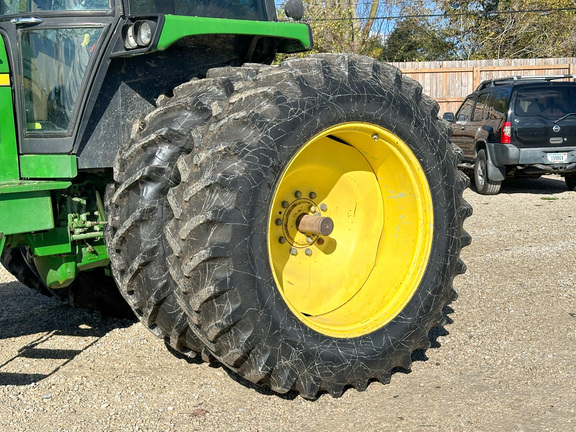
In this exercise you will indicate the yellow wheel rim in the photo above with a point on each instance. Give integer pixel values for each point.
(360, 276)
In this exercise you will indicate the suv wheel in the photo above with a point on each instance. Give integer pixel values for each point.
(484, 185)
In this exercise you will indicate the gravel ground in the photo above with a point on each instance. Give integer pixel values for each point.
(505, 363)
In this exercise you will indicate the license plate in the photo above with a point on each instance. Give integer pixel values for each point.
(556, 157)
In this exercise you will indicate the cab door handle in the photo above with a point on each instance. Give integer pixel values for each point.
(26, 21)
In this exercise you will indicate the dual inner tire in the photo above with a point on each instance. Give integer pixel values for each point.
(93, 289)
(204, 212)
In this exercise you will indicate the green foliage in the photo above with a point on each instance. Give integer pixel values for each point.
(341, 26)
(416, 40)
(511, 28)
(469, 29)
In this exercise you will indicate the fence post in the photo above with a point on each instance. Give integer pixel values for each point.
(475, 77)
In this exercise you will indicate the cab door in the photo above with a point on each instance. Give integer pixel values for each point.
(8, 145)
(54, 48)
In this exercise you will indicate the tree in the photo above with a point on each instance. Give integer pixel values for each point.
(511, 28)
(469, 29)
(343, 26)
(416, 40)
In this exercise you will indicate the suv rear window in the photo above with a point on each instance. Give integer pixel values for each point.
(551, 103)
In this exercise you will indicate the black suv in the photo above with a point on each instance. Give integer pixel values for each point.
(518, 126)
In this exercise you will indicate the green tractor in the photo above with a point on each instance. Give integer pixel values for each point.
(300, 223)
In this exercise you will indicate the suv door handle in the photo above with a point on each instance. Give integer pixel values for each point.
(26, 21)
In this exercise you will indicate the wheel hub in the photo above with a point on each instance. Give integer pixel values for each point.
(302, 222)
(350, 229)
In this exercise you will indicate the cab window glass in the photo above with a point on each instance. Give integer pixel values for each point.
(54, 63)
(465, 112)
(11, 7)
(239, 9)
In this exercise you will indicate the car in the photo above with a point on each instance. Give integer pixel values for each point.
(522, 126)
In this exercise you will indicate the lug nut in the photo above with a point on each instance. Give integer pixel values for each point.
(281, 240)
(298, 194)
(323, 207)
(278, 222)
(294, 251)
(312, 195)
(285, 204)
(309, 239)
(312, 209)
(308, 251)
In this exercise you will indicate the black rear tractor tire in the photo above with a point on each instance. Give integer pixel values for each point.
(570, 180)
(92, 289)
(15, 261)
(138, 210)
(342, 137)
(484, 185)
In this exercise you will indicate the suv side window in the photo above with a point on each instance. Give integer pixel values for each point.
(499, 103)
(481, 107)
(465, 112)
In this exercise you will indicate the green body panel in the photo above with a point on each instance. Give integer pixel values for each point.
(48, 166)
(26, 206)
(54, 242)
(8, 145)
(20, 186)
(92, 257)
(56, 271)
(297, 36)
(25, 212)
(59, 271)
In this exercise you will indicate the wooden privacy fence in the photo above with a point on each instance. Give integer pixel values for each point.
(449, 82)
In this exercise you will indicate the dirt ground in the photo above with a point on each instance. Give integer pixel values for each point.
(505, 363)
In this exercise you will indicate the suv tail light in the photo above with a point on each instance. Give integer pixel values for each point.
(506, 134)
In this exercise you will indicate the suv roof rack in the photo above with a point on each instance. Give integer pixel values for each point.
(518, 78)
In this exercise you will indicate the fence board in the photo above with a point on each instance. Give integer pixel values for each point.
(449, 82)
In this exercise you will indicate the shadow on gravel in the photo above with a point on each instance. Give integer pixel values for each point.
(545, 185)
(57, 331)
